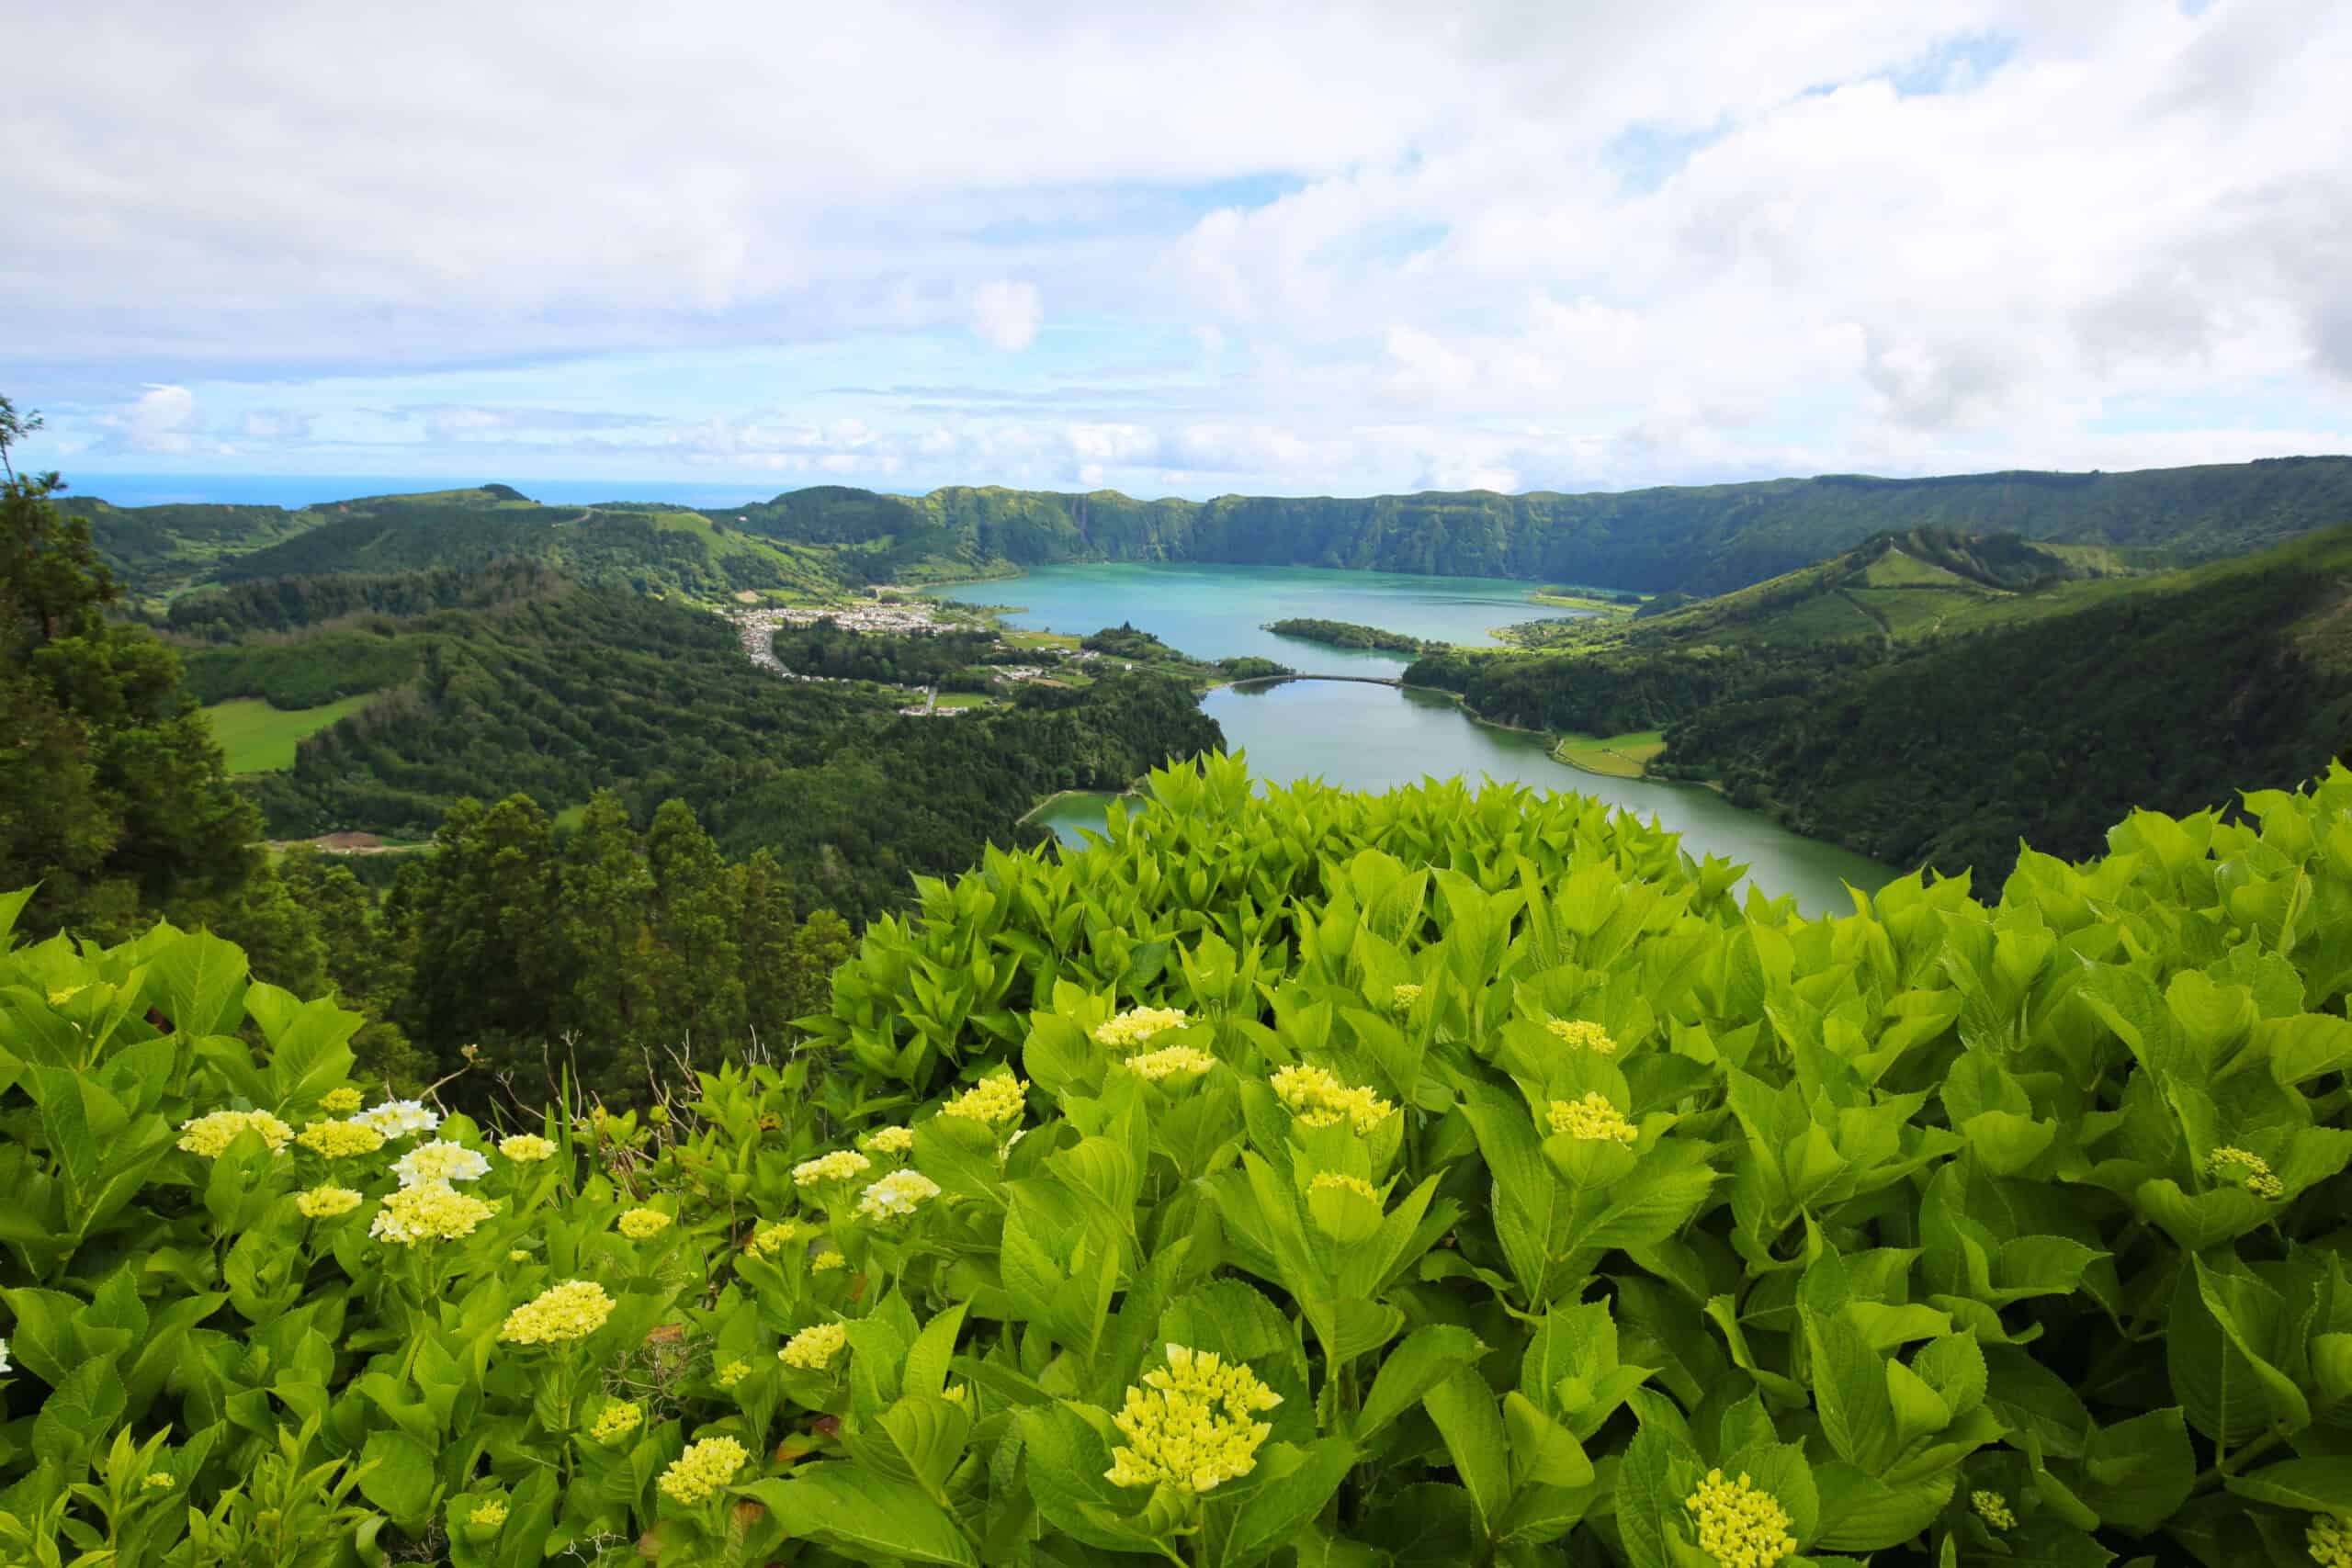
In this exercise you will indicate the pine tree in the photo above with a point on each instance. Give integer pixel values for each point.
(112, 793)
(600, 928)
(697, 967)
(478, 918)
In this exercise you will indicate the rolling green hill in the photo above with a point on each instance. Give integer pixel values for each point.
(1930, 701)
(1695, 540)
(163, 552)
(1703, 540)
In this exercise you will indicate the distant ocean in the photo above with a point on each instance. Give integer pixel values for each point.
(296, 490)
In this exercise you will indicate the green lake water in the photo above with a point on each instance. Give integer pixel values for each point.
(1375, 738)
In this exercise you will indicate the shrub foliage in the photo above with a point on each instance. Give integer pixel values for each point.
(1289, 1178)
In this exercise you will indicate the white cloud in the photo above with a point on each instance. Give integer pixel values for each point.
(1285, 251)
(1006, 313)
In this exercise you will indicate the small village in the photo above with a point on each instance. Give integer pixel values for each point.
(757, 629)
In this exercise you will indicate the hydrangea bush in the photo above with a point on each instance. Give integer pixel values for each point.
(1291, 1178)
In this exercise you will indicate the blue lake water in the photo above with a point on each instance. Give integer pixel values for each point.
(1377, 738)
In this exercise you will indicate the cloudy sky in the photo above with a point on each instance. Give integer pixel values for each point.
(1177, 249)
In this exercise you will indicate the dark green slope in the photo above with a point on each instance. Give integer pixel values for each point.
(2165, 697)
(1703, 539)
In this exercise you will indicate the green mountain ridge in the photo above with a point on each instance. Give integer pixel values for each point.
(1943, 734)
(1698, 540)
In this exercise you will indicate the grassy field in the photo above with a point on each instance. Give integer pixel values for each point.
(963, 700)
(1626, 756)
(259, 739)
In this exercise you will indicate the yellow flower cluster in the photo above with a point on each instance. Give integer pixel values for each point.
(813, 1349)
(1327, 1181)
(956, 1393)
(1739, 1526)
(1170, 1062)
(1318, 1098)
(340, 1101)
(326, 1202)
(573, 1310)
(1190, 1425)
(211, 1136)
(769, 1240)
(1592, 1117)
(1403, 997)
(440, 1161)
(991, 1100)
(732, 1373)
(826, 1262)
(616, 1421)
(895, 1196)
(889, 1141)
(702, 1470)
(840, 1165)
(157, 1480)
(339, 1140)
(1994, 1509)
(432, 1211)
(1136, 1025)
(2249, 1170)
(2329, 1541)
(490, 1514)
(518, 1254)
(526, 1148)
(1582, 1034)
(638, 1225)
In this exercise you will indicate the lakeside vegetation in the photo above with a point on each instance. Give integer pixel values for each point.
(1348, 634)
(1933, 698)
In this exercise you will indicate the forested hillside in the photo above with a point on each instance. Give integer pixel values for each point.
(1701, 539)
(1930, 699)
(1697, 540)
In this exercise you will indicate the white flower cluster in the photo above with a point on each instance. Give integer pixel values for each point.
(442, 1161)
(398, 1118)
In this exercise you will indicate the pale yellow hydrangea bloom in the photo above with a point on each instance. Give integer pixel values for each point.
(526, 1148)
(1402, 998)
(158, 1480)
(841, 1165)
(210, 1135)
(732, 1373)
(993, 1099)
(518, 1254)
(1170, 1062)
(326, 1202)
(639, 1225)
(1189, 1426)
(813, 1349)
(432, 1211)
(1136, 1025)
(1994, 1509)
(769, 1240)
(490, 1514)
(573, 1310)
(1329, 1180)
(340, 1101)
(440, 1160)
(1739, 1526)
(616, 1421)
(825, 1262)
(2329, 1541)
(339, 1140)
(889, 1141)
(956, 1393)
(699, 1473)
(1582, 1034)
(2248, 1170)
(895, 1196)
(1318, 1099)
(1592, 1117)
